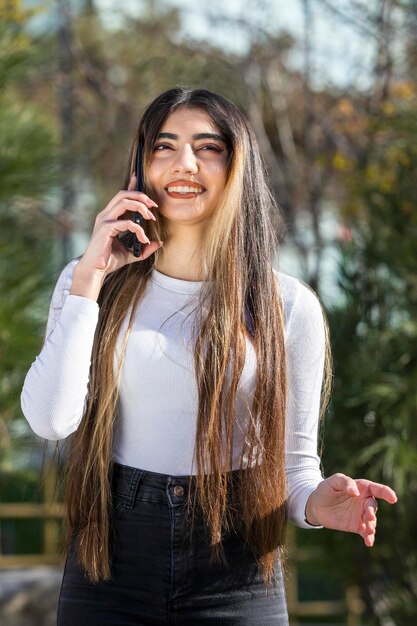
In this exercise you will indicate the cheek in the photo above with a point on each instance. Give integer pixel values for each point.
(154, 177)
(154, 172)
(221, 184)
(218, 175)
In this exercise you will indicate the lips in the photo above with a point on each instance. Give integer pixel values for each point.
(185, 183)
(184, 189)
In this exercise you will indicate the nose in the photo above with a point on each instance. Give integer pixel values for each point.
(185, 160)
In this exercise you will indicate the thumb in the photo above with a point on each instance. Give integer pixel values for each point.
(344, 483)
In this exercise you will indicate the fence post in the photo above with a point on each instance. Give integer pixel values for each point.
(50, 525)
(355, 606)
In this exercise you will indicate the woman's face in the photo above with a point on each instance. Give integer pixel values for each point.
(188, 167)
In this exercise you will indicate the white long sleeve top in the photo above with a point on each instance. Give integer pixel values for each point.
(158, 393)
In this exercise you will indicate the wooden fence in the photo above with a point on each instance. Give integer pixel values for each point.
(52, 513)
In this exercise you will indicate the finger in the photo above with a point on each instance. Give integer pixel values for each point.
(369, 540)
(121, 226)
(130, 194)
(369, 521)
(369, 518)
(367, 532)
(371, 507)
(120, 208)
(383, 492)
(131, 205)
(369, 535)
(341, 482)
(377, 490)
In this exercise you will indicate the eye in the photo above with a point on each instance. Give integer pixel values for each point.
(212, 146)
(158, 146)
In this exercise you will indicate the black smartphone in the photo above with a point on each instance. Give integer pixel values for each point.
(129, 239)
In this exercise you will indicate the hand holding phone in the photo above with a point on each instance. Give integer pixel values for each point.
(114, 232)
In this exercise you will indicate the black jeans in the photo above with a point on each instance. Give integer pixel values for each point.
(159, 576)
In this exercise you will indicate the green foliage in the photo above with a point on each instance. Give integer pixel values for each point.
(20, 536)
(26, 152)
(26, 172)
(372, 427)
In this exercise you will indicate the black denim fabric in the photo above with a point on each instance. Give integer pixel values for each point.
(161, 577)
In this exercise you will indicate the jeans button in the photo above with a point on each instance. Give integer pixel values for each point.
(178, 490)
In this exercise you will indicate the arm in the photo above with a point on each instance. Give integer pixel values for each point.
(305, 352)
(338, 502)
(55, 388)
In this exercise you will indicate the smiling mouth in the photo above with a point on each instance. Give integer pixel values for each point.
(185, 188)
(183, 192)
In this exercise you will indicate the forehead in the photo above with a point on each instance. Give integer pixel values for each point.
(187, 120)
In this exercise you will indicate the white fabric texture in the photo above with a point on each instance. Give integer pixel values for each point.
(158, 392)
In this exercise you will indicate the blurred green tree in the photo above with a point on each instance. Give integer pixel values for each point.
(371, 430)
(26, 175)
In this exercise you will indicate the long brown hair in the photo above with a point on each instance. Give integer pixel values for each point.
(242, 295)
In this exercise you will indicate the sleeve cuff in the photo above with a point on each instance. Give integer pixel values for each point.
(298, 516)
(81, 303)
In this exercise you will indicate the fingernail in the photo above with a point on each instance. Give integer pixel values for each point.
(151, 215)
(161, 243)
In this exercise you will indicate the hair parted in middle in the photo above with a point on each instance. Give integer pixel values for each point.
(242, 303)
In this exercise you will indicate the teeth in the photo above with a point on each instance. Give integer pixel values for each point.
(185, 189)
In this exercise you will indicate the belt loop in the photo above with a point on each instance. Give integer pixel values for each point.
(133, 488)
(169, 480)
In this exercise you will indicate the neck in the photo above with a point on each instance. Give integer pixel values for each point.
(181, 255)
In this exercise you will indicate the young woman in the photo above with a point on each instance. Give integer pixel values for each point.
(189, 383)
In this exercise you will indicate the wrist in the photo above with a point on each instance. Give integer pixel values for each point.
(87, 283)
(310, 515)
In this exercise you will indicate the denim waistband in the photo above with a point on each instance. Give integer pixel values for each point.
(126, 473)
(132, 483)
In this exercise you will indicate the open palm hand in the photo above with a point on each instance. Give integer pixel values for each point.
(343, 503)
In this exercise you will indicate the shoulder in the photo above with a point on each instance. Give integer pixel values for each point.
(301, 303)
(295, 294)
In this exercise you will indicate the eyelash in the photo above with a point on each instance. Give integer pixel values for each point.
(212, 146)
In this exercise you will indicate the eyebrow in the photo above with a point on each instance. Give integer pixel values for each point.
(196, 136)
